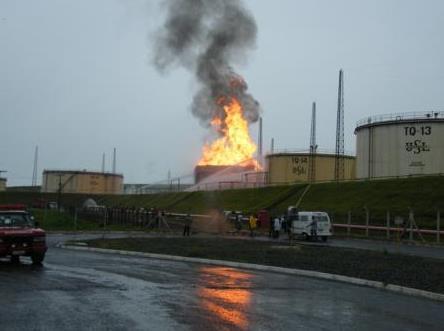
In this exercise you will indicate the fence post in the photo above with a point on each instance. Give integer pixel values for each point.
(411, 218)
(388, 225)
(438, 226)
(367, 220)
(75, 218)
(104, 222)
(349, 217)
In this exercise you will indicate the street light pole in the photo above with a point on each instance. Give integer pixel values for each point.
(59, 195)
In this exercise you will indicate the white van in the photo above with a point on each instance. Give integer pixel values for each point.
(301, 224)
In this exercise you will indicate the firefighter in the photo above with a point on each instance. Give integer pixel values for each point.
(314, 229)
(252, 224)
(187, 225)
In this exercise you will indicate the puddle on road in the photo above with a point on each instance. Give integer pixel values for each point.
(225, 295)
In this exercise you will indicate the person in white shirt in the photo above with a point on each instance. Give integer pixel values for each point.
(277, 227)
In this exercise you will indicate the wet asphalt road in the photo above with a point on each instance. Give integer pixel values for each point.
(88, 291)
(391, 247)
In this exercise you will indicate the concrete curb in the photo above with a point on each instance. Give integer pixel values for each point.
(288, 271)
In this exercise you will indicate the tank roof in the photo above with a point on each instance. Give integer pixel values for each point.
(394, 118)
(82, 172)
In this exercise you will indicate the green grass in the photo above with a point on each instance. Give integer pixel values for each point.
(419, 193)
(52, 220)
(423, 194)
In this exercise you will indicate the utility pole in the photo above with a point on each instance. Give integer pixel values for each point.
(103, 162)
(114, 161)
(339, 152)
(259, 152)
(313, 146)
(170, 182)
(114, 170)
(59, 193)
(34, 171)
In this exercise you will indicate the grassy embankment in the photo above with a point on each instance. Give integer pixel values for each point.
(423, 194)
(52, 220)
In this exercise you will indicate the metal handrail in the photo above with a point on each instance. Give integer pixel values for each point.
(400, 117)
(80, 171)
(307, 151)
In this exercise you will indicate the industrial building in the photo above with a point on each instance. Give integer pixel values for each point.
(400, 145)
(71, 181)
(297, 167)
(2, 184)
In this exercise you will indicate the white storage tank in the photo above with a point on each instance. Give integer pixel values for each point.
(2, 184)
(400, 145)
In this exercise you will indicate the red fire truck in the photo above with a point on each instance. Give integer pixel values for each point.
(20, 235)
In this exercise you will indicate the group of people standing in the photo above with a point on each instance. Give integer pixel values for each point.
(278, 224)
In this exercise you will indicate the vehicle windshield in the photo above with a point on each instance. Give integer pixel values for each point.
(304, 218)
(14, 220)
(322, 218)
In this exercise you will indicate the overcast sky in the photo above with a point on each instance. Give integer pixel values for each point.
(76, 79)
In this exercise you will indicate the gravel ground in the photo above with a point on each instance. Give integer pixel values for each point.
(416, 272)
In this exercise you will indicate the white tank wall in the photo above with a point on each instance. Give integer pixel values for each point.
(2, 184)
(400, 149)
(82, 182)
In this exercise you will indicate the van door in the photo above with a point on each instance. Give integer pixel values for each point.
(300, 225)
(323, 224)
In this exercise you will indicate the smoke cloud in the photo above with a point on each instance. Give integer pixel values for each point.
(207, 37)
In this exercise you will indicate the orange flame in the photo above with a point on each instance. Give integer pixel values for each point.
(235, 147)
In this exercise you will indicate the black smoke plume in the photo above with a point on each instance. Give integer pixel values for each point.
(207, 37)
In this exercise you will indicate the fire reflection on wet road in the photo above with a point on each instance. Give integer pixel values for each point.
(226, 295)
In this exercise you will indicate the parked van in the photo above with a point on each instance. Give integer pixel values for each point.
(301, 224)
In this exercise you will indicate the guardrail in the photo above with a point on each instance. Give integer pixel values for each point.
(385, 229)
(401, 117)
(157, 218)
(307, 151)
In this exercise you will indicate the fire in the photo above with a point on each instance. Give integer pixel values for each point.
(235, 147)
